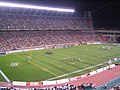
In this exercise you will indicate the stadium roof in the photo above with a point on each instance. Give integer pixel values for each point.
(34, 7)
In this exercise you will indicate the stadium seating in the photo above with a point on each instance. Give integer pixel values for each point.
(26, 22)
(26, 31)
(14, 40)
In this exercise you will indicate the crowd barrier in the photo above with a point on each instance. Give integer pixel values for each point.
(49, 82)
(94, 43)
(18, 83)
(34, 84)
(48, 46)
(16, 51)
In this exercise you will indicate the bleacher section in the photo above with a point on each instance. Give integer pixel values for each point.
(27, 22)
(31, 31)
(15, 40)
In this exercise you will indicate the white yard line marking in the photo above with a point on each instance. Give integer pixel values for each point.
(4, 76)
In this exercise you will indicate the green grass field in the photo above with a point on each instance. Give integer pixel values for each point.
(1, 78)
(42, 66)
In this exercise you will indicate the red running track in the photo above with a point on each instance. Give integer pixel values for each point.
(99, 78)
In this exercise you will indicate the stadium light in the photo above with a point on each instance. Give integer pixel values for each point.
(35, 7)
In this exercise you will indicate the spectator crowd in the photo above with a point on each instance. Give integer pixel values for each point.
(27, 22)
(23, 31)
(14, 40)
(62, 87)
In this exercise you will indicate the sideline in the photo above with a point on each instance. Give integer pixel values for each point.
(4, 76)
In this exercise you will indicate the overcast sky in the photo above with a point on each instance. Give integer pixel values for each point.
(106, 13)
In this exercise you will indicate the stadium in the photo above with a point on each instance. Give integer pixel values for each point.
(51, 48)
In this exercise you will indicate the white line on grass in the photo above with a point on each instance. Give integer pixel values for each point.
(4, 76)
(50, 66)
(74, 72)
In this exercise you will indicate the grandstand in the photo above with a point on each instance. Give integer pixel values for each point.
(26, 22)
(28, 29)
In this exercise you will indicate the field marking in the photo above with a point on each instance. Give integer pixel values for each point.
(63, 74)
(4, 76)
(43, 64)
(61, 66)
(39, 67)
(52, 67)
(74, 72)
(42, 68)
(71, 72)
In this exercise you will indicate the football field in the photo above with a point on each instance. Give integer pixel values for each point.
(40, 66)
